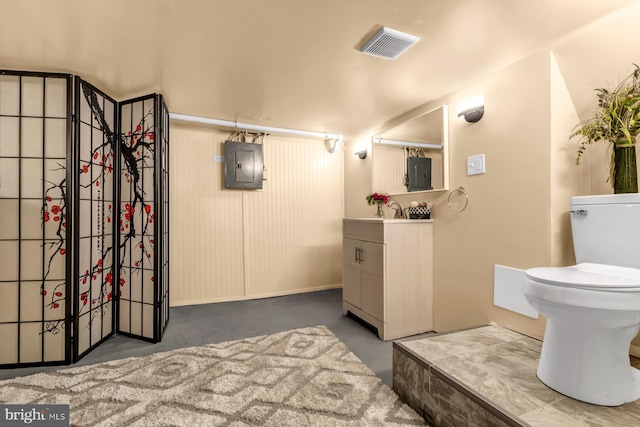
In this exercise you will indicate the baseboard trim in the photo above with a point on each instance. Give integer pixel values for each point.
(249, 297)
(634, 350)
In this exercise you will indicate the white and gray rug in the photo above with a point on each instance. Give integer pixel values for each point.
(303, 377)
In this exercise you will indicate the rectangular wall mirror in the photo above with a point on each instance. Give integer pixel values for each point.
(413, 156)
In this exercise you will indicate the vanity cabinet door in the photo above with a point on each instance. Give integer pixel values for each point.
(372, 262)
(351, 274)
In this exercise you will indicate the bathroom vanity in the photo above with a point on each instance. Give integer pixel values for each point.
(388, 274)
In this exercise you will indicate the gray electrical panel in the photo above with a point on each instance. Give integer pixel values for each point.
(419, 174)
(243, 165)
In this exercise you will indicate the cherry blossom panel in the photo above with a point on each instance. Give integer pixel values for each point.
(55, 192)
(8, 260)
(148, 250)
(54, 300)
(54, 219)
(98, 290)
(109, 216)
(32, 96)
(134, 253)
(55, 256)
(9, 178)
(9, 214)
(124, 286)
(32, 137)
(31, 185)
(84, 181)
(10, 95)
(55, 134)
(109, 287)
(142, 232)
(54, 212)
(9, 347)
(9, 302)
(9, 136)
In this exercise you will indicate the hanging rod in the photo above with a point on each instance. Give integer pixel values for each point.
(336, 137)
(406, 143)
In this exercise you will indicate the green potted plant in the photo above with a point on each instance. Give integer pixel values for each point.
(617, 121)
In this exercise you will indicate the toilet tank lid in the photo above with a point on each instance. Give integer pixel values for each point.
(588, 276)
(606, 199)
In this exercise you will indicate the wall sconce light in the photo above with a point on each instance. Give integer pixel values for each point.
(361, 153)
(472, 109)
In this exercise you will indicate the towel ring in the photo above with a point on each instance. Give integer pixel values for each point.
(459, 190)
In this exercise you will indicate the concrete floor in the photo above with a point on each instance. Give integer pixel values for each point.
(214, 323)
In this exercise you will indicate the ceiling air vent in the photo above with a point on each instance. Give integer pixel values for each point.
(388, 43)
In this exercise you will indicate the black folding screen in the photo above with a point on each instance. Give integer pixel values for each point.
(143, 223)
(35, 262)
(95, 165)
(83, 218)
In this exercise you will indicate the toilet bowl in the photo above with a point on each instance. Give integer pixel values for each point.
(593, 313)
(592, 308)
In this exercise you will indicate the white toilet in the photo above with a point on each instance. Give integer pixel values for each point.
(593, 308)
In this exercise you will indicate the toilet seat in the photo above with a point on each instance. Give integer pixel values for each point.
(588, 276)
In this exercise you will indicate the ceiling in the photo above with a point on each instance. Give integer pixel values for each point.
(283, 63)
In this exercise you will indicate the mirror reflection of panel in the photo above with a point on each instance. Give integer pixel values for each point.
(424, 136)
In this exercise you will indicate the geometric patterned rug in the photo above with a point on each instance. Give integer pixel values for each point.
(303, 377)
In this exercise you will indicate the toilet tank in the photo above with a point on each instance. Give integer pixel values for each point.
(606, 229)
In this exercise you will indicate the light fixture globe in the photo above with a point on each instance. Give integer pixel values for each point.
(472, 109)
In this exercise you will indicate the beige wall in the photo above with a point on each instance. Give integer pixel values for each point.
(237, 244)
(507, 219)
(517, 213)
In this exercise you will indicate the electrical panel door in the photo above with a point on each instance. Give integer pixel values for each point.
(243, 165)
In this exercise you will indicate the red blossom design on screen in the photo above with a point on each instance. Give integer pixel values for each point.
(136, 219)
(52, 211)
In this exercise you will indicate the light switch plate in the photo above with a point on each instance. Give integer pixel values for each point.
(475, 165)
